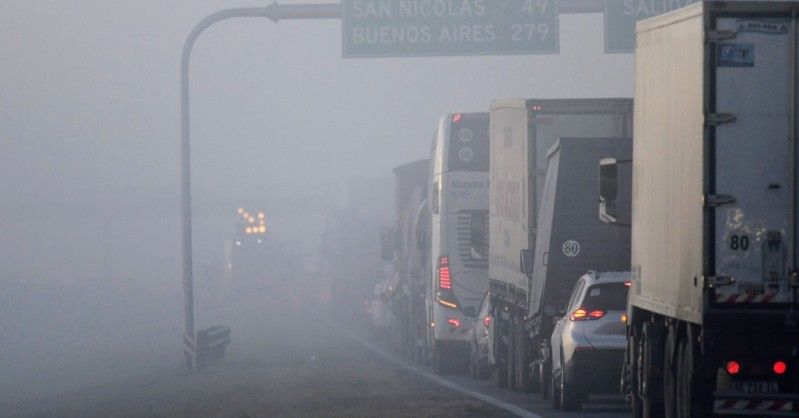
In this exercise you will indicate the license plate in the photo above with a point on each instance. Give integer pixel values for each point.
(756, 386)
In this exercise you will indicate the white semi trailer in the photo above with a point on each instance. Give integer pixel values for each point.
(713, 304)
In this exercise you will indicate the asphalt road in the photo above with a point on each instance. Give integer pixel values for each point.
(307, 368)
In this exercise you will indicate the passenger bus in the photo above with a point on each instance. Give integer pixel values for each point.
(457, 194)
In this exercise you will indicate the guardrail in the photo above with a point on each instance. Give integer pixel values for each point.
(206, 348)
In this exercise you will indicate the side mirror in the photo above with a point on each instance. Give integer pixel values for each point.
(554, 310)
(608, 190)
(470, 311)
(388, 241)
(526, 261)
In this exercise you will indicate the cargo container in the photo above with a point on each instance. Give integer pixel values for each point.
(713, 305)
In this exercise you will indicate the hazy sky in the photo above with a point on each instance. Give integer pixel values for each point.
(89, 95)
(89, 153)
(89, 104)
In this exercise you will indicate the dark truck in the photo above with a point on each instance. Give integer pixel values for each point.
(407, 286)
(526, 299)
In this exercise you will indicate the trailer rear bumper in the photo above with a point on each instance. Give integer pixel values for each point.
(736, 403)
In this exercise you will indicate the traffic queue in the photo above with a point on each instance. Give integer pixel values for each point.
(640, 246)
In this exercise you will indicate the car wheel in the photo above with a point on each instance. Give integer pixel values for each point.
(554, 390)
(570, 396)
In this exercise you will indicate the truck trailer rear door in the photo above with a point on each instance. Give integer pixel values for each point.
(754, 158)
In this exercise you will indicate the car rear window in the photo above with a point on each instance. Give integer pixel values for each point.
(606, 296)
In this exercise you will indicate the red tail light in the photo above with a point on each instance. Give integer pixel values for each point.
(627, 283)
(445, 295)
(444, 279)
(779, 367)
(487, 321)
(586, 315)
(733, 367)
(457, 117)
(454, 322)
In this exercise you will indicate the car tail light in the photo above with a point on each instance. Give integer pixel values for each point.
(627, 283)
(586, 315)
(487, 321)
(779, 367)
(457, 117)
(454, 322)
(733, 367)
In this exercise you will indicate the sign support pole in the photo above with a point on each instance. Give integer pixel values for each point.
(273, 12)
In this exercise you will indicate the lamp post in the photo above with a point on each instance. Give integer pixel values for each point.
(273, 12)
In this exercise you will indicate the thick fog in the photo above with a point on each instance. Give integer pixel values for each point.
(90, 287)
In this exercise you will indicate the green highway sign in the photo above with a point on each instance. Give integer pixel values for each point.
(400, 28)
(621, 15)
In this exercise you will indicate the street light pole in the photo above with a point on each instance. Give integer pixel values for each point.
(273, 12)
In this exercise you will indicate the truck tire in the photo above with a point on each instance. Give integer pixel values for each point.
(544, 372)
(502, 363)
(501, 349)
(693, 392)
(633, 358)
(502, 374)
(670, 373)
(651, 407)
(510, 359)
(521, 359)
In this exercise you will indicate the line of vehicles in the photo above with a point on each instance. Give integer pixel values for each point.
(647, 246)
